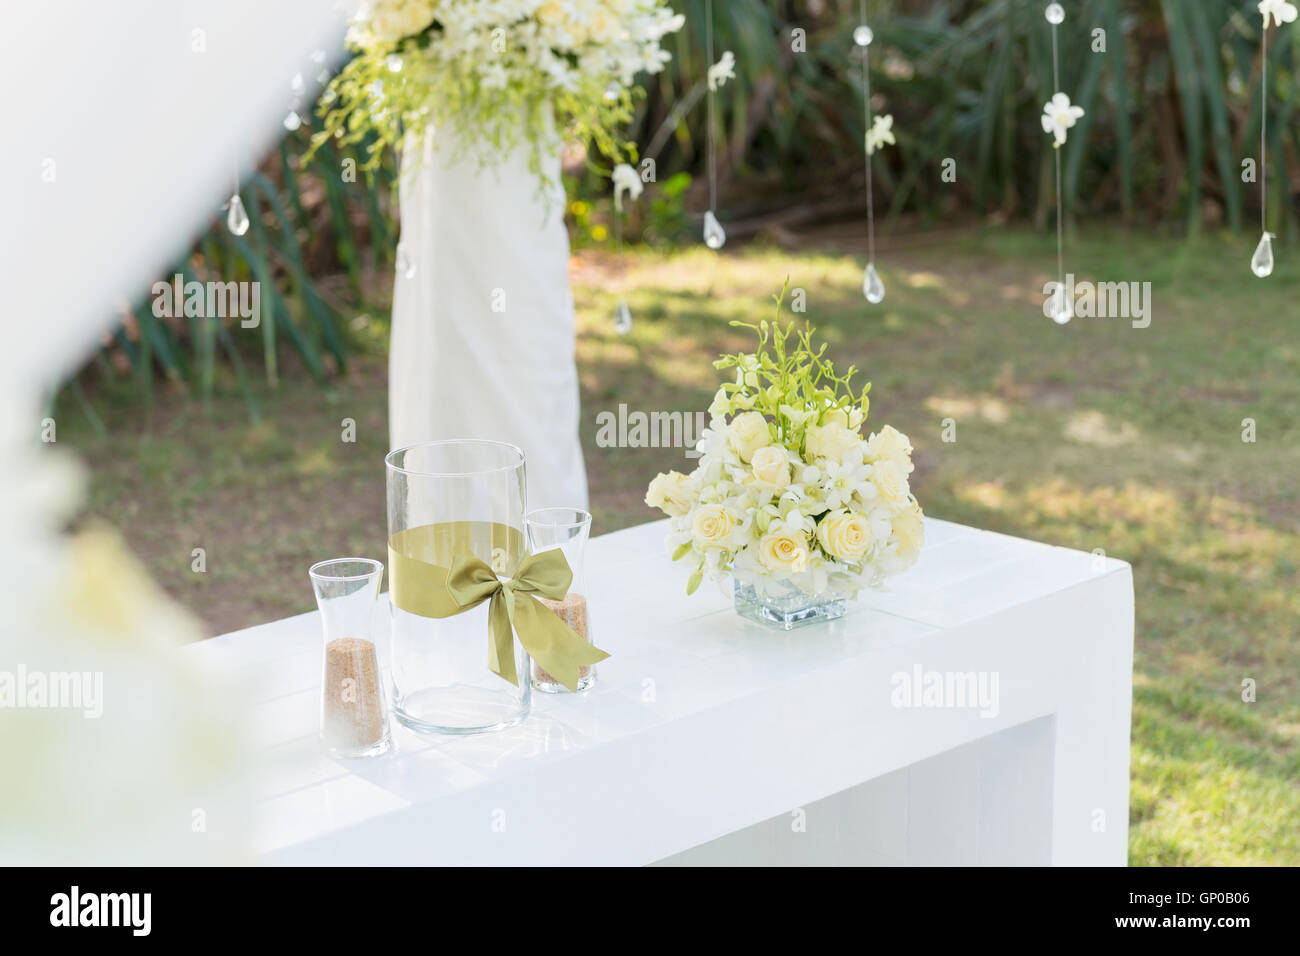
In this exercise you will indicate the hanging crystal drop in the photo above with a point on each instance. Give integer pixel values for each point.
(405, 264)
(1261, 263)
(863, 36)
(714, 236)
(1055, 14)
(623, 318)
(237, 218)
(872, 287)
(1061, 309)
(292, 121)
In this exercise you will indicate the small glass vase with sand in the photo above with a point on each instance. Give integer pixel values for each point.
(353, 719)
(567, 529)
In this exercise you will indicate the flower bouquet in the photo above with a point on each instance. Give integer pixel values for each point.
(497, 72)
(788, 497)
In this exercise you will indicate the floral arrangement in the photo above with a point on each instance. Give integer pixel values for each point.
(498, 72)
(787, 488)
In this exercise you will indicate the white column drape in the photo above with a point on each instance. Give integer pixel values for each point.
(483, 327)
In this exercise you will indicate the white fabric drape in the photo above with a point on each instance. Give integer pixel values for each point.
(483, 329)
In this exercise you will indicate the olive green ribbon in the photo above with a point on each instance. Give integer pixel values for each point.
(429, 590)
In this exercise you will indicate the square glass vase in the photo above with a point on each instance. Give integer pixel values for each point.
(784, 606)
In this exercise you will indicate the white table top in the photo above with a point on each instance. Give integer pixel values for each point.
(700, 722)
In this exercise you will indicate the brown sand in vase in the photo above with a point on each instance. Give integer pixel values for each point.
(353, 717)
(572, 610)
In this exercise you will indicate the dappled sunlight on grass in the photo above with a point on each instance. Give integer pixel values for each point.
(1201, 794)
(318, 462)
(986, 407)
(985, 494)
(1093, 428)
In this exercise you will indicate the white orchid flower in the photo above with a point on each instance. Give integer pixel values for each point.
(723, 70)
(1282, 10)
(881, 133)
(626, 180)
(1059, 116)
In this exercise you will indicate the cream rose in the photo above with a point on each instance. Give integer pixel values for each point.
(782, 549)
(830, 441)
(669, 494)
(551, 13)
(771, 465)
(844, 535)
(889, 443)
(890, 481)
(837, 416)
(748, 434)
(601, 26)
(710, 526)
(909, 531)
(393, 20)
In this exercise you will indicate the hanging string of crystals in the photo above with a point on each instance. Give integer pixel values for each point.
(872, 287)
(237, 216)
(714, 235)
(1261, 263)
(626, 180)
(622, 315)
(1059, 115)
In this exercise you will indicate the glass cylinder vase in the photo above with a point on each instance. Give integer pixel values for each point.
(450, 499)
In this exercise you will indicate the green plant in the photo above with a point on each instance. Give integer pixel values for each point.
(305, 223)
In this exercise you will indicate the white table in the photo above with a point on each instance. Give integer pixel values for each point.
(709, 739)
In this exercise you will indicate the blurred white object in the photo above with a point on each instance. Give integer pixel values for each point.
(483, 336)
(125, 143)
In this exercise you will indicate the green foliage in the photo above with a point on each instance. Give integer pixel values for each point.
(305, 222)
(1172, 106)
(368, 105)
(788, 379)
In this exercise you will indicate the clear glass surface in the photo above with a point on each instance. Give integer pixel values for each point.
(353, 721)
(568, 529)
(473, 491)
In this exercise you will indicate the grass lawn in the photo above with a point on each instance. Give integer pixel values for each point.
(1093, 435)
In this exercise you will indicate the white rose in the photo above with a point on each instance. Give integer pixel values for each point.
(782, 549)
(844, 535)
(890, 482)
(748, 434)
(771, 465)
(711, 525)
(830, 441)
(669, 494)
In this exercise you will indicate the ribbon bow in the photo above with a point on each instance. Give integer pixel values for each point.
(423, 588)
(559, 649)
